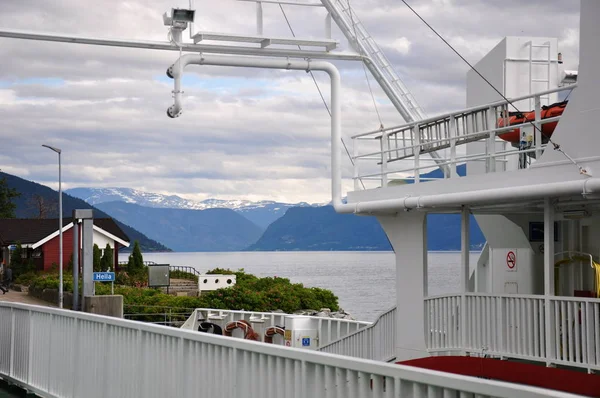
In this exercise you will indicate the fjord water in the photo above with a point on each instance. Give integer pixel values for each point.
(363, 281)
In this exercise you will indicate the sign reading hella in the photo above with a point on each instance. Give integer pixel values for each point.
(104, 276)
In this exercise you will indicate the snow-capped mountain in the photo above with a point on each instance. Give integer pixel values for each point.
(262, 213)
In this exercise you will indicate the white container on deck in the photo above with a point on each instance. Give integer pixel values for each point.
(301, 332)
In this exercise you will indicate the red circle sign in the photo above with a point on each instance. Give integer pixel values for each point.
(511, 260)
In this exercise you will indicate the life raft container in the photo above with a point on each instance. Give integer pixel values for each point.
(547, 111)
(272, 331)
(249, 333)
(209, 327)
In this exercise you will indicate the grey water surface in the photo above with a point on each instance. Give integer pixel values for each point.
(363, 281)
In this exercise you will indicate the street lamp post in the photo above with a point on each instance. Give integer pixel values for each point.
(60, 226)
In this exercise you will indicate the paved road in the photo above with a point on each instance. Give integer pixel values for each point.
(21, 297)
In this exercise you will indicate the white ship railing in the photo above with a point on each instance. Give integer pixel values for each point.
(63, 354)
(399, 153)
(328, 329)
(375, 342)
(514, 326)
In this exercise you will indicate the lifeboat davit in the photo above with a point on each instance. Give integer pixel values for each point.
(547, 111)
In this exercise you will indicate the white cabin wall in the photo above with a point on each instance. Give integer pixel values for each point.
(505, 234)
(517, 69)
(479, 92)
(581, 114)
(506, 67)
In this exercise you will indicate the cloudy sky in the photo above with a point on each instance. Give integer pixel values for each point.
(245, 134)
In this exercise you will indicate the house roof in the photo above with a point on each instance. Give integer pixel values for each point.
(31, 231)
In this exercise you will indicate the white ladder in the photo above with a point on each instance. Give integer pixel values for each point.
(380, 67)
(382, 70)
(545, 99)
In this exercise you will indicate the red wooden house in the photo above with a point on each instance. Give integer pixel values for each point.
(39, 239)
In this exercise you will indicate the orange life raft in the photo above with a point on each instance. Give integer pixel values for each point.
(547, 111)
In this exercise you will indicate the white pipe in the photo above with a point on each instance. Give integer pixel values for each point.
(538, 191)
(176, 71)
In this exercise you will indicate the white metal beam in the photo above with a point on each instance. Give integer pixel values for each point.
(291, 3)
(185, 47)
(329, 44)
(549, 274)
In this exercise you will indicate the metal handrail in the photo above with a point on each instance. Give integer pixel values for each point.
(467, 110)
(157, 361)
(363, 331)
(185, 268)
(483, 133)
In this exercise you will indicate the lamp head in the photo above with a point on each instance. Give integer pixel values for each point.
(57, 150)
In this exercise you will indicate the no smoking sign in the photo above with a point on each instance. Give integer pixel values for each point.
(511, 261)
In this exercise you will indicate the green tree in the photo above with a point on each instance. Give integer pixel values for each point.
(107, 261)
(136, 261)
(97, 258)
(130, 263)
(7, 207)
(17, 263)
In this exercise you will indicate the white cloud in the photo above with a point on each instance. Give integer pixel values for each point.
(401, 45)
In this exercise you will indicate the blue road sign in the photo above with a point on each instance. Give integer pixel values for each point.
(306, 342)
(104, 276)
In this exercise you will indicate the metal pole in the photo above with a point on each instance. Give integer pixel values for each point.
(75, 263)
(549, 280)
(60, 220)
(60, 234)
(464, 277)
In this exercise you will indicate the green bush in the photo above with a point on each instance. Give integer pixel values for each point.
(26, 278)
(133, 279)
(52, 281)
(250, 293)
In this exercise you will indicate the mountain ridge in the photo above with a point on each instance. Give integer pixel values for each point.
(262, 212)
(322, 228)
(30, 190)
(209, 230)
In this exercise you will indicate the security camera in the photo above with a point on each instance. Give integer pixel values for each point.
(182, 15)
(179, 18)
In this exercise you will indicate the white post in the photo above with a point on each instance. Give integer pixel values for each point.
(538, 130)
(328, 26)
(75, 262)
(464, 274)
(259, 18)
(417, 152)
(453, 136)
(60, 234)
(384, 159)
(491, 124)
(407, 232)
(549, 278)
(60, 220)
(356, 171)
